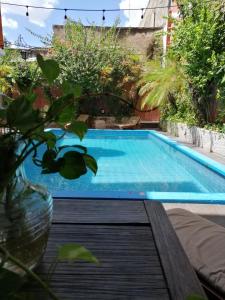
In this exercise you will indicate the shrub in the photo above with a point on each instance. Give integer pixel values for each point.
(17, 74)
(93, 58)
(26, 74)
(6, 79)
(199, 44)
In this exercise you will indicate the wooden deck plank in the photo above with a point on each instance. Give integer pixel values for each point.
(120, 234)
(99, 211)
(129, 263)
(181, 278)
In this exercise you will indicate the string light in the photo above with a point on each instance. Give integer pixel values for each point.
(103, 14)
(86, 10)
(65, 16)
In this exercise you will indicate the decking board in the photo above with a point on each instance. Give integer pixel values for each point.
(99, 211)
(120, 235)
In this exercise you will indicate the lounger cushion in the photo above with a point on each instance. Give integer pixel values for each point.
(204, 244)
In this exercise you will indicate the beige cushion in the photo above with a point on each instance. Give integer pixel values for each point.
(204, 244)
(99, 124)
(83, 118)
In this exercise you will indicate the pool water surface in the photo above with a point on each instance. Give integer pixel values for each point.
(141, 164)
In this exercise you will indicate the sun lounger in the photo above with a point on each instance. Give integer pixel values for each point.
(83, 118)
(204, 244)
(128, 122)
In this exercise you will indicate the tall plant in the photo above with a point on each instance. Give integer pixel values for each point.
(199, 44)
(160, 85)
(93, 58)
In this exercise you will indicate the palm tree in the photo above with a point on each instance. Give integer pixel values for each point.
(160, 85)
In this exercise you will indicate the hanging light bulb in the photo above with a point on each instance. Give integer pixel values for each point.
(142, 13)
(65, 17)
(27, 13)
(103, 14)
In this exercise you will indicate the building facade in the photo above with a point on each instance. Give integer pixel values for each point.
(156, 14)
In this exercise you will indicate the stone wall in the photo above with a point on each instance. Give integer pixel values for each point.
(141, 40)
(210, 141)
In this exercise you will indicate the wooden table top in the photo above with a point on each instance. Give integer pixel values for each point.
(140, 255)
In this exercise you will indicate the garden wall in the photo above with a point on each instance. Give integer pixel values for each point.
(210, 141)
(141, 40)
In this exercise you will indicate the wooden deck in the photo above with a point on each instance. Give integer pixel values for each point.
(140, 256)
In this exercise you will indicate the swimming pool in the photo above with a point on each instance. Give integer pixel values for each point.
(140, 164)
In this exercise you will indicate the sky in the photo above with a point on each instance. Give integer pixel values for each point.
(15, 22)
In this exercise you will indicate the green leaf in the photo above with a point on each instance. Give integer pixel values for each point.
(49, 68)
(79, 128)
(59, 105)
(73, 165)
(31, 97)
(48, 137)
(48, 158)
(70, 88)
(77, 91)
(195, 297)
(21, 115)
(90, 163)
(73, 252)
(67, 115)
(53, 166)
(3, 113)
(9, 283)
(223, 80)
(49, 155)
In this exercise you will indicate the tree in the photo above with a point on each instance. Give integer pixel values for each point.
(93, 58)
(199, 45)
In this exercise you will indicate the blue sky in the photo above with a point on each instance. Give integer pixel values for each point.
(40, 21)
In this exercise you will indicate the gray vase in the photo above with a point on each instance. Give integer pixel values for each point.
(25, 220)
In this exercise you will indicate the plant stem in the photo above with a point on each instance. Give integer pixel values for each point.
(22, 158)
(29, 272)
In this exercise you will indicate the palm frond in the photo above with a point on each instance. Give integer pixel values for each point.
(159, 83)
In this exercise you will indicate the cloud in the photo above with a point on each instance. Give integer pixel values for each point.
(10, 23)
(36, 16)
(133, 17)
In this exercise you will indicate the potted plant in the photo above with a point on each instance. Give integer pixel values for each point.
(25, 208)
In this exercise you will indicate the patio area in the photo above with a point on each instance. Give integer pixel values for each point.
(139, 253)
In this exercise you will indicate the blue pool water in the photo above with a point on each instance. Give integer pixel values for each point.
(137, 165)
